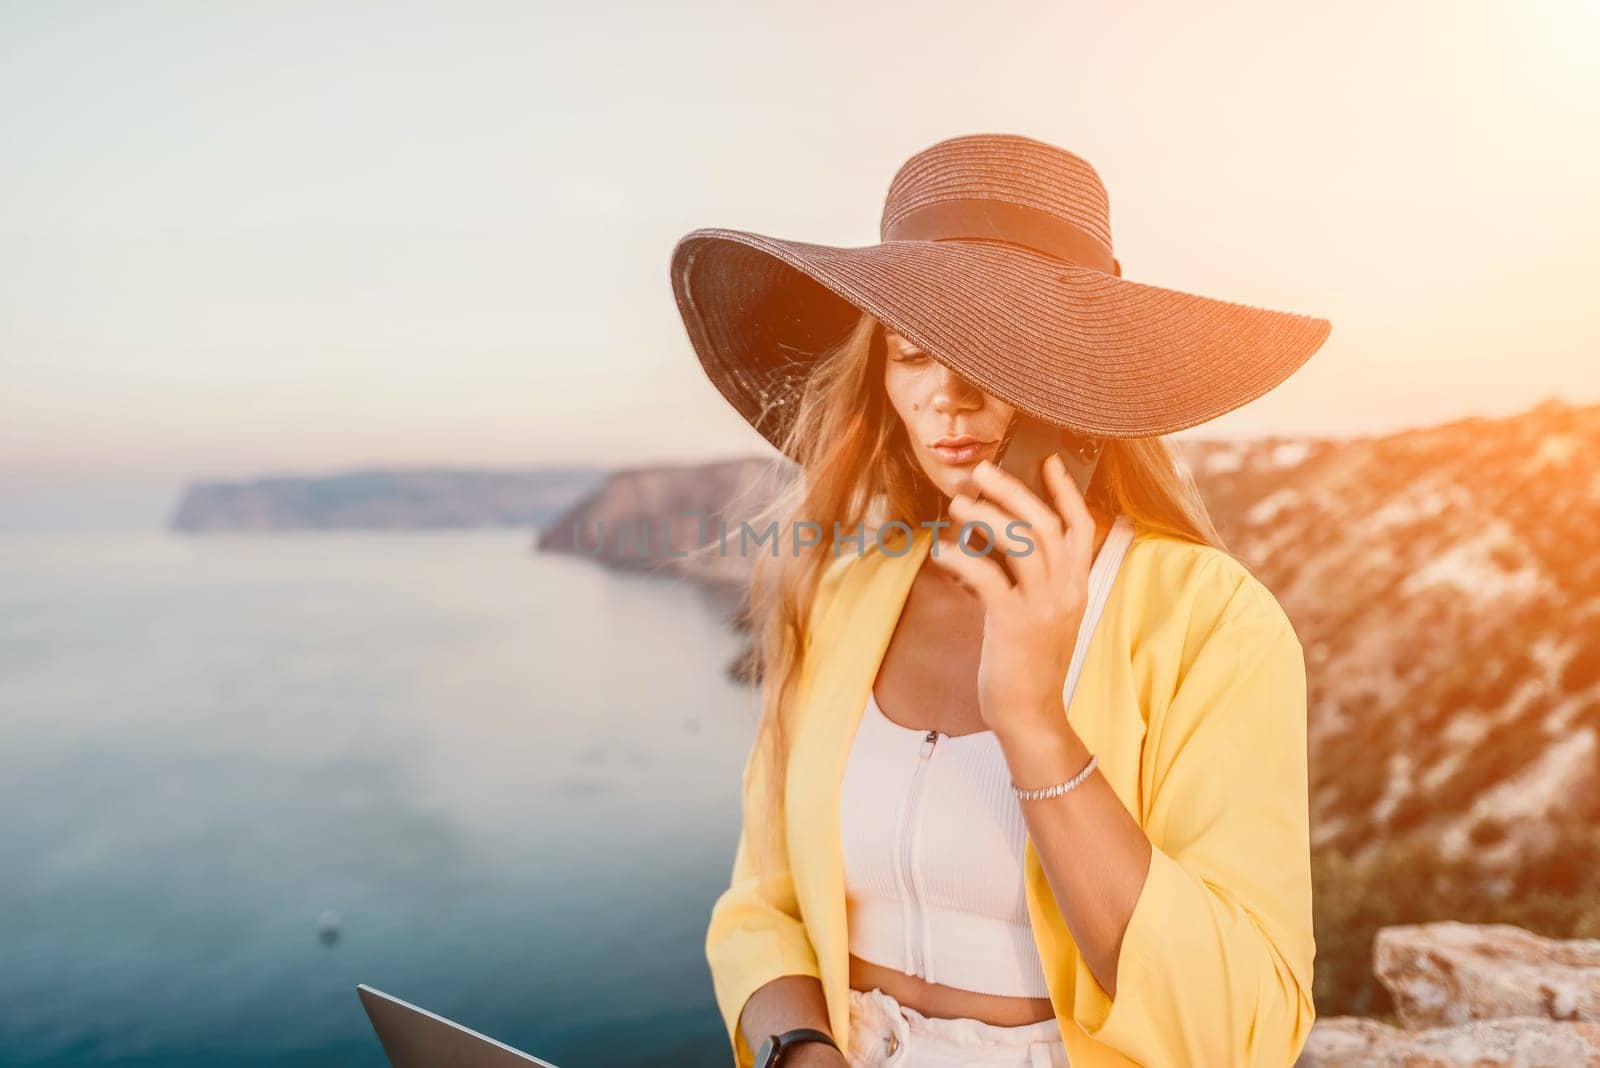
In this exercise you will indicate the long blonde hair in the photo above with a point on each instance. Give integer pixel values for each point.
(856, 470)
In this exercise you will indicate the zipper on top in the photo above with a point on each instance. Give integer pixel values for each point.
(916, 962)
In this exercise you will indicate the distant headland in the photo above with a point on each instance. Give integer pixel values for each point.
(385, 499)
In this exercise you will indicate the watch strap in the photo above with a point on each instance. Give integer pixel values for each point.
(795, 1036)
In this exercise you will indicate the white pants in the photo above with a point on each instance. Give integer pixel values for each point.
(884, 1032)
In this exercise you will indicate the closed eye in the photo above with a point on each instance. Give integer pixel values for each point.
(904, 352)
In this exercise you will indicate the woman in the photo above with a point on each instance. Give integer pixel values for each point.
(1051, 812)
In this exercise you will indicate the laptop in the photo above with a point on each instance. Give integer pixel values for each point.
(416, 1038)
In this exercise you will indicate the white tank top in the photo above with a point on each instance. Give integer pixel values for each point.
(933, 840)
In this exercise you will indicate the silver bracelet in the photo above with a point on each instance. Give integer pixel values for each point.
(1059, 788)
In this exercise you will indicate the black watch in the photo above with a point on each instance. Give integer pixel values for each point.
(774, 1047)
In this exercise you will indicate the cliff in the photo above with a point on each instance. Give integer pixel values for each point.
(647, 519)
(1445, 583)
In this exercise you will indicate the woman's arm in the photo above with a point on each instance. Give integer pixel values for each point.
(1097, 900)
(1206, 957)
(756, 941)
(787, 1002)
(756, 935)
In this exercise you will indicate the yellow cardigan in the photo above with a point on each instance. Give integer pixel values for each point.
(1193, 695)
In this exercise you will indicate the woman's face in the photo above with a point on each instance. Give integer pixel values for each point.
(950, 423)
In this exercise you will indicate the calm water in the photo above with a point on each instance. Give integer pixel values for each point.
(513, 779)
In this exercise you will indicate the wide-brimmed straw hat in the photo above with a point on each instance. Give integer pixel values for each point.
(995, 259)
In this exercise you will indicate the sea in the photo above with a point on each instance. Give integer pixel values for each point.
(241, 774)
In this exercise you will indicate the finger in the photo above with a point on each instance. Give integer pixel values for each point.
(980, 572)
(1024, 557)
(1070, 504)
(1008, 491)
(1045, 526)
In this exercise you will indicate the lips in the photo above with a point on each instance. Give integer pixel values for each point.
(960, 449)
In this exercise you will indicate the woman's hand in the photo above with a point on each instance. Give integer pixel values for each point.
(1030, 627)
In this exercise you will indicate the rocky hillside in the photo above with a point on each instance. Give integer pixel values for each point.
(1446, 585)
(384, 499)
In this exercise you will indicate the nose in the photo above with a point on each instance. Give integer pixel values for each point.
(952, 393)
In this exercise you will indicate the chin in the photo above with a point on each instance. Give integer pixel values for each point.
(948, 479)
(953, 480)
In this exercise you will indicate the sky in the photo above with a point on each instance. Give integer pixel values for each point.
(250, 238)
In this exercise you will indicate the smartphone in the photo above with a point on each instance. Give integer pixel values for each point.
(1023, 451)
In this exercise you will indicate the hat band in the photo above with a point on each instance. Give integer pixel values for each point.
(1003, 220)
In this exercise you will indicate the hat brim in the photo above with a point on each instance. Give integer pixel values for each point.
(1070, 345)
